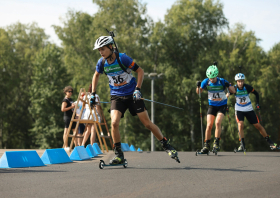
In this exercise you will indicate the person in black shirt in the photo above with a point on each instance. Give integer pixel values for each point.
(67, 107)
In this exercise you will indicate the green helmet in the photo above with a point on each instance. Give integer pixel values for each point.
(212, 71)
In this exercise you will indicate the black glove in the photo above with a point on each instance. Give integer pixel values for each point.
(137, 94)
(258, 107)
(198, 83)
(92, 99)
(227, 84)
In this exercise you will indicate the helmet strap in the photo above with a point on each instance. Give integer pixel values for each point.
(112, 52)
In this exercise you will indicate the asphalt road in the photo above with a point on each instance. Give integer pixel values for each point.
(151, 175)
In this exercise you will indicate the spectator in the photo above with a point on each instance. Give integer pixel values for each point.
(67, 107)
(81, 126)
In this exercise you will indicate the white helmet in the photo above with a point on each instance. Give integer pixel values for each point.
(102, 41)
(239, 76)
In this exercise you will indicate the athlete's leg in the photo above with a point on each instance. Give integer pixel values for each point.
(218, 124)
(239, 116)
(144, 118)
(115, 121)
(261, 129)
(210, 122)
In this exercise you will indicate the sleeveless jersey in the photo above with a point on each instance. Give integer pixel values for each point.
(121, 83)
(216, 93)
(243, 102)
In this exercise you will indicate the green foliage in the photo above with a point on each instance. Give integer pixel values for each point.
(20, 42)
(49, 77)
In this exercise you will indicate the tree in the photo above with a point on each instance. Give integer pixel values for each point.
(21, 42)
(191, 28)
(49, 78)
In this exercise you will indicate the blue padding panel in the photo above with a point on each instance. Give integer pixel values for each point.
(91, 151)
(20, 159)
(79, 153)
(139, 150)
(127, 147)
(55, 156)
(97, 148)
(132, 148)
(124, 147)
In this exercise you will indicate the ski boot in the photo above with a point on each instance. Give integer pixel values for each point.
(273, 146)
(240, 148)
(119, 157)
(216, 146)
(169, 149)
(204, 150)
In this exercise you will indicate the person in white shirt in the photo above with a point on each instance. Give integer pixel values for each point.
(86, 115)
(81, 128)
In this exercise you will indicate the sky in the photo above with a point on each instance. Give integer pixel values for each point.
(260, 16)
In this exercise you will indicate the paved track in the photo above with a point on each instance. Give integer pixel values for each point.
(151, 175)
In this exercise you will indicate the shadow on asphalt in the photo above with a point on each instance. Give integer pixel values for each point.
(190, 168)
(221, 169)
(27, 171)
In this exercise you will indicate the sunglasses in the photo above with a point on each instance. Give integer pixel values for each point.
(70, 91)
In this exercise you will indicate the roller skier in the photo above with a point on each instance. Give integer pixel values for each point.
(125, 94)
(244, 108)
(217, 100)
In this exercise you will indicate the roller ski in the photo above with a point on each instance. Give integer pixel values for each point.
(239, 149)
(170, 150)
(204, 151)
(274, 147)
(216, 146)
(102, 164)
(118, 160)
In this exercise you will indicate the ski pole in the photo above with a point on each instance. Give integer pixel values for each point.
(259, 110)
(104, 102)
(228, 115)
(229, 120)
(161, 103)
(200, 116)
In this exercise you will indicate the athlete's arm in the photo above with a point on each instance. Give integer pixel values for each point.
(199, 85)
(197, 90)
(140, 77)
(95, 79)
(231, 90)
(257, 96)
(250, 89)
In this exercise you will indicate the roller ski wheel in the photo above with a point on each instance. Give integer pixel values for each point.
(215, 151)
(102, 164)
(174, 155)
(274, 147)
(198, 152)
(170, 150)
(177, 159)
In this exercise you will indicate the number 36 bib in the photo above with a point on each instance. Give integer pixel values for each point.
(118, 78)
